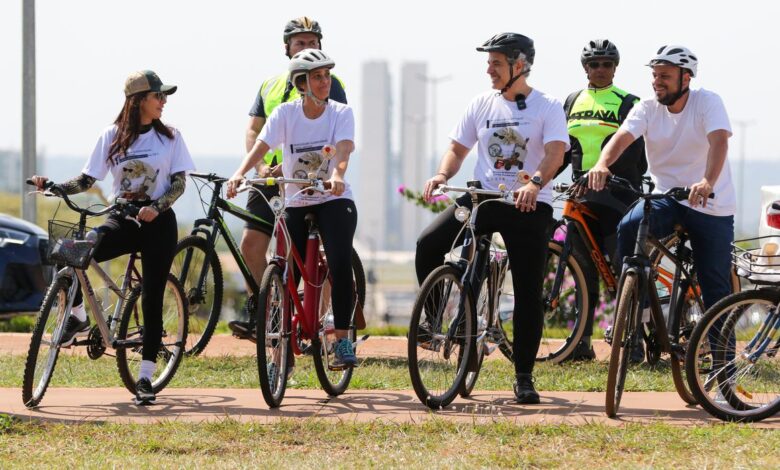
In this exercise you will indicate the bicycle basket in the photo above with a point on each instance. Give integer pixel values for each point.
(67, 245)
(757, 259)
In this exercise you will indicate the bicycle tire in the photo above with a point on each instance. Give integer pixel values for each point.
(37, 376)
(273, 340)
(204, 307)
(171, 347)
(335, 382)
(484, 308)
(677, 362)
(431, 306)
(713, 379)
(626, 317)
(568, 317)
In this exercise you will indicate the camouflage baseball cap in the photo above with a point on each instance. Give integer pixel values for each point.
(146, 80)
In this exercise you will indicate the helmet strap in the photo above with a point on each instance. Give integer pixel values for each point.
(520, 98)
(311, 96)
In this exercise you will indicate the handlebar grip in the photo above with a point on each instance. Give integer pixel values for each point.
(48, 184)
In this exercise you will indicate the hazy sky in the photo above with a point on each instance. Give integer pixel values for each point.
(218, 53)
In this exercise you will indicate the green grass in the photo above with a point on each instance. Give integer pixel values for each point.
(311, 443)
(19, 324)
(373, 374)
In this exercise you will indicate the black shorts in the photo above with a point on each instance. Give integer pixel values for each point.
(257, 206)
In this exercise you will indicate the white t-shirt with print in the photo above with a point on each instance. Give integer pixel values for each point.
(143, 172)
(303, 140)
(677, 145)
(510, 139)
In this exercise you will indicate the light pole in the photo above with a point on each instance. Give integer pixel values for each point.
(434, 82)
(743, 125)
(29, 150)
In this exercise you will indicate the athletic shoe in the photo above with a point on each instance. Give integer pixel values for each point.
(583, 352)
(73, 328)
(144, 394)
(344, 354)
(246, 329)
(525, 393)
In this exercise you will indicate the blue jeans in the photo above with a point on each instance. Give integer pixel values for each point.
(710, 235)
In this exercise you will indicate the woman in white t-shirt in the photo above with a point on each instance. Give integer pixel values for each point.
(148, 162)
(516, 128)
(317, 136)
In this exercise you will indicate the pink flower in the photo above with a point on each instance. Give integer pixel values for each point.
(401, 189)
(439, 198)
(560, 234)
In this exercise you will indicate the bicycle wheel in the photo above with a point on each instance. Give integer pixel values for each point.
(204, 300)
(131, 329)
(728, 372)
(503, 333)
(686, 307)
(334, 380)
(624, 333)
(440, 335)
(44, 344)
(484, 319)
(273, 340)
(564, 316)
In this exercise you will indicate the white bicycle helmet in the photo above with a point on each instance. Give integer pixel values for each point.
(308, 60)
(680, 56)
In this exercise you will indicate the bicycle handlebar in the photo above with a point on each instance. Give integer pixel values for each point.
(209, 176)
(677, 193)
(503, 194)
(312, 183)
(122, 205)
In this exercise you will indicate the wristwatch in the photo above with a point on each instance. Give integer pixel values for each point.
(537, 180)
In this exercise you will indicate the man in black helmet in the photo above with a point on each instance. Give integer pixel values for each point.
(593, 116)
(521, 137)
(299, 34)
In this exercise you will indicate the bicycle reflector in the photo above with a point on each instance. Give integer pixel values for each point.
(462, 214)
(773, 215)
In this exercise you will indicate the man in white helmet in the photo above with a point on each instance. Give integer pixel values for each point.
(686, 136)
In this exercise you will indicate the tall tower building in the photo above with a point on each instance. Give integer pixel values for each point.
(376, 193)
(415, 161)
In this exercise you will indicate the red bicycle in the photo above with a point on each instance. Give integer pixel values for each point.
(291, 322)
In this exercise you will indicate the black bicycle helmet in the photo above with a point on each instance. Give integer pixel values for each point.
(600, 49)
(304, 24)
(511, 44)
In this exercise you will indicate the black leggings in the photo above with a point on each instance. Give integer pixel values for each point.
(337, 220)
(156, 241)
(525, 235)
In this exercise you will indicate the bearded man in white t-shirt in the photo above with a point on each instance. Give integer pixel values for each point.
(516, 128)
(686, 136)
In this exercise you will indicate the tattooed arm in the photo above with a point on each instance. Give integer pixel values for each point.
(178, 182)
(77, 185)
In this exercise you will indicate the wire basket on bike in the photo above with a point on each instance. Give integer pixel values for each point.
(757, 259)
(68, 244)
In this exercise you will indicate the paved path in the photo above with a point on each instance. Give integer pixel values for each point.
(213, 404)
(206, 405)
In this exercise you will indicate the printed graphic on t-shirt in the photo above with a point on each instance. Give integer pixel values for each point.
(309, 159)
(139, 180)
(506, 146)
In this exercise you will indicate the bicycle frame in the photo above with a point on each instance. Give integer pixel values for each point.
(107, 327)
(214, 225)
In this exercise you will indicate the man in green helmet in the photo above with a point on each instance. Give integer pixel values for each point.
(299, 34)
(593, 116)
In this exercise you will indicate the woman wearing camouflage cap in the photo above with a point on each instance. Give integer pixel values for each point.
(148, 161)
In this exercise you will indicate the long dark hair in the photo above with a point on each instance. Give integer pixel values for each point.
(128, 125)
